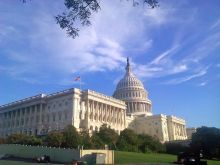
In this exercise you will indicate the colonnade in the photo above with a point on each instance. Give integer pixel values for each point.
(105, 113)
(180, 130)
(21, 120)
(138, 107)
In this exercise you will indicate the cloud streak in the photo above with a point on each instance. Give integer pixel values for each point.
(200, 73)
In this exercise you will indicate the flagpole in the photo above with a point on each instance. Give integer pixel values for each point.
(80, 83)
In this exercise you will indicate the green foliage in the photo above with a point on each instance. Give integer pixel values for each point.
(175, 148)
(97, 142)
(71, 137)
(32, 140)
(108, 136)
(128, 141)
(207, 139)
(54, 139)
(16, 139)
(85, 139)
(23, 139)
(2, 140)
(149, 144)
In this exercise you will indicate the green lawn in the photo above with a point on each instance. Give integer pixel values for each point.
(133, 157)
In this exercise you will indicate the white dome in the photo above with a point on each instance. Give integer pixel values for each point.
(129, 81)
(131, 90)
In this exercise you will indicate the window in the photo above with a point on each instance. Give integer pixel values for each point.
(48, 118)
(38, 107)
(37, 119)
(42, 118)
(60, 116)
(54, 117)
(26, 121)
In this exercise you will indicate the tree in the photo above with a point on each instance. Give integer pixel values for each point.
(16, 139)
(54, 139)
(149, 144)
(2, 140)
(128, 141)
(85, 139)
(80, 11)
(32, 140)
(71, 137)
(97, 142)
(176, 148)
(108, 136)
(23, 139)
(207, 139)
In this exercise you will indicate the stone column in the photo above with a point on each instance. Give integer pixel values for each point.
(128, 107)
(34, 122)
(16, 119)
(136, 104)
(112, 110)
(133, 105)
(88, 112)
(93, 109)
(40, 118)
(102, 112)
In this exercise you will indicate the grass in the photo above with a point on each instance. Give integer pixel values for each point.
(133, 157)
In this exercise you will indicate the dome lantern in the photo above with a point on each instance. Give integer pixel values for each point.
(128, 67)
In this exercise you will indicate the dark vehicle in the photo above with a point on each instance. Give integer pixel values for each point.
(190, 158)
(43, 159)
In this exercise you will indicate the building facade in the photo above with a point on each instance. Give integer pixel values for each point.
(129, 107)
(43, 113)
(190, 132)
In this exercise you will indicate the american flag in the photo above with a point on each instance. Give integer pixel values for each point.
(77, 78)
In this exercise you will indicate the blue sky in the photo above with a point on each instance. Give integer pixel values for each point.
(174, 50)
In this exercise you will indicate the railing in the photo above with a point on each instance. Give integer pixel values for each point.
(61, 92)
(23, 100)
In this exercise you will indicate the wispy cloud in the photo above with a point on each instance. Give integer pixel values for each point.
(161, 58)
(215, 24)
(203, 84)
(218, 65)
(200, 73)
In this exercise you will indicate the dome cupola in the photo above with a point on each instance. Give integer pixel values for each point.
(131, 90)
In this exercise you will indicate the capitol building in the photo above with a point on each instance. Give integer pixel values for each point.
(130, 107)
